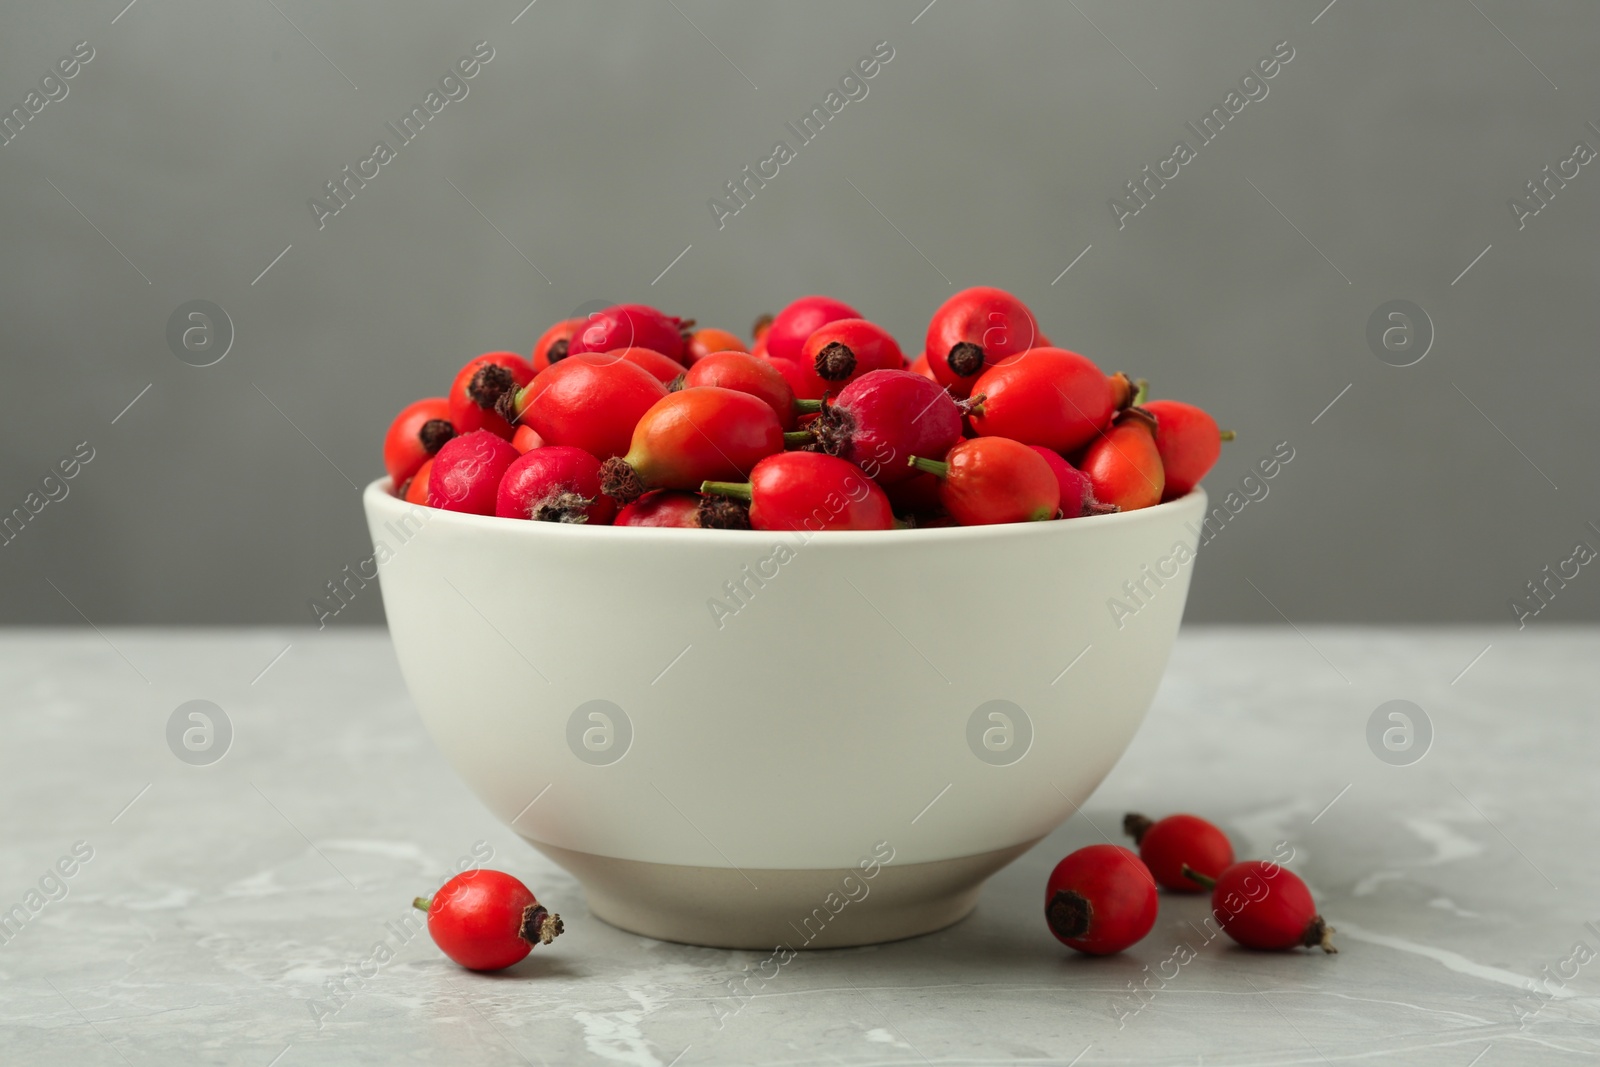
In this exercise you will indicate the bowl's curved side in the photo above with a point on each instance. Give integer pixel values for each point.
(784, 703)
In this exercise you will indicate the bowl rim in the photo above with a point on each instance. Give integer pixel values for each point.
(379, 499)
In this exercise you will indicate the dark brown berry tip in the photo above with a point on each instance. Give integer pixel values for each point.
(540, 927)
(488, 384)
(1136, 826)
(619, 481)
(965, 359)
(1319, 935)
(1068, 914)
(563, 507)
(835, 362)
(434, 434)
(723, 513)
(557, 351)
(762, 322)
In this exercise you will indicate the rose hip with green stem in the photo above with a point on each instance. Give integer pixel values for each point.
(487, 920)
(809, 491)
(692, 436)
(987, 480)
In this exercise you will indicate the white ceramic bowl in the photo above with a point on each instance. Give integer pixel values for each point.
(749, 739)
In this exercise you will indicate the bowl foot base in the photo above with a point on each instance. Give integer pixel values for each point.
(722, 907)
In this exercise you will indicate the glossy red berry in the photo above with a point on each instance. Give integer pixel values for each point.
(701, 434)
(1262, 905)
(630, 326)
(975, 329)
(1049, 397)
(420, 430)
(1100, 900)
(557, 483)
(989, 480)
(476, 393)
(791, 327)
(883, 418)
(551, 347)
(704, 342)
(487, 920)
(745, 373)
(809, 491)
(467, 471)
(1189, 442)
(415, 489)
(687, 511)
(1077, 494)
(1178, 844)
(591, 403)
(841, 351)
(1123, 464)
(661, 368)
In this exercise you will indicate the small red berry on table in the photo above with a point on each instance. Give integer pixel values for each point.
(487, 920)
(1100, 900)
(1177, 846)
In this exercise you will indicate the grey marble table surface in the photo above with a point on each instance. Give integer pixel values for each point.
(211, 910)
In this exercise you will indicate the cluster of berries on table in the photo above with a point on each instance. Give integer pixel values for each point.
(632, 417)
(1102, 899)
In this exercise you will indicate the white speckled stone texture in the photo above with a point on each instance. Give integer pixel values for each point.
(219, 904)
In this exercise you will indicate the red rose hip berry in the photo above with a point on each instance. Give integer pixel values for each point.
(702, 434)
(1262, 905)
(786, 334)
(843, 350)
(1049, 397)
(1124, 465)
(989, 480)
(1189, 443)
(590, 402)
(973, 330)
(419, 431)
(1100, 900)
(628, 326)
(551, 347)
(487, 920)
(477, 392)
(809, 491)
(1178, 844)
(466, 473)
(1077, 495)
(557, 483)
(744, 373)
(884, 417)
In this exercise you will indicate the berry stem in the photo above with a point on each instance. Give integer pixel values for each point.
(797, 438)
(932, 466)
(806, 407)
(737, 490)
(1198, 878)
(422, 903)
(1141, 391)
(1227, 435)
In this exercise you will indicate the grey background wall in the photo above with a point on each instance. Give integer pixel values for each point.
(579, 166)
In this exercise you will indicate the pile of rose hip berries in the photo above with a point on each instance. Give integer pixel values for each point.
(630, 417)
(1102, 899)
